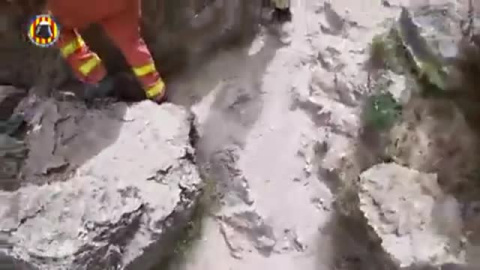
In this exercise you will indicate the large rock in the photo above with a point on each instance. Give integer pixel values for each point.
(113, 188)
(423, 43)
(430, 35)
(177, 33)
(417, 224)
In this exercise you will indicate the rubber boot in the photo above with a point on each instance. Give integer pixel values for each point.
(161, 99)
(282, 15)
(102, 89)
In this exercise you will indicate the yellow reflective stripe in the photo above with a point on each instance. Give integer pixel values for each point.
(144, 70)
(72, 46)
(89, 65)
(32, 30)
(156, 90)
(55, 30)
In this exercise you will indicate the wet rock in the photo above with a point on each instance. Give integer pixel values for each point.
(403, 207)
(128, 190)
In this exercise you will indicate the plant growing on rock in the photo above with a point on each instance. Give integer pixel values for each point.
(381, 111)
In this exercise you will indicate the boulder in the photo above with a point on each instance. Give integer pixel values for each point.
(416, 223)
(103, 188)
(430, 35)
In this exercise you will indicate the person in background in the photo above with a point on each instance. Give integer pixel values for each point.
(282, 12)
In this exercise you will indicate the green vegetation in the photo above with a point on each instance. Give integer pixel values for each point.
(388, 53)
(436, 98)
(382, 111)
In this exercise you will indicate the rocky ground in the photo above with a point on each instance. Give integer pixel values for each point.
(93, 203)
(292, 136)
(284, 172)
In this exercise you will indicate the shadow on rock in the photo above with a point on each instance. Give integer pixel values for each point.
(12, 146)
(232, 103)
(225, 94)
(352, 247)
(134, 191)
(10, 97)
(65, 135)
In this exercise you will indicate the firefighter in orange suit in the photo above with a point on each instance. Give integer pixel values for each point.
(120, 20)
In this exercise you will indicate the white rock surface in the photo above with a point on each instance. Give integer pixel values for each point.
(276, 103)
(416, 223)
(279, 123)
(132, 187)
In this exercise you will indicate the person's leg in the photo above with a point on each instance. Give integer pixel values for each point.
(282, 11)
(86, 64)
(282, 4)
(124, 30)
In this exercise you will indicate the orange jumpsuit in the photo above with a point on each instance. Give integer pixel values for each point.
(120, 20)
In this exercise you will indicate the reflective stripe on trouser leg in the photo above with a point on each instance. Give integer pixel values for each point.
(89, 65)
(144, 70)
(157, 89)
(281, 4)
(70, 47)
(123, 29)
(86, 64)
(146, 74)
